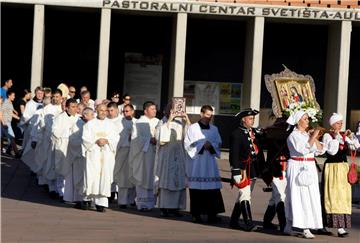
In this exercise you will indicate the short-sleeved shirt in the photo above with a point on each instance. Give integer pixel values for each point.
(7, 110)
(3, 93)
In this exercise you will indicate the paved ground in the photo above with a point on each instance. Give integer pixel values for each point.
(28, 215)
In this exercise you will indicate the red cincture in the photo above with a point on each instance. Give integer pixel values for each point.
(252, 136)
(283, 166)
(341, 146)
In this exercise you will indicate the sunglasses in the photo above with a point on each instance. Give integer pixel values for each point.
(127, 99)
(71, 91)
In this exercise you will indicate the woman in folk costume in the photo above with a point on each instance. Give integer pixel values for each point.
(337, 189)
(302, 206)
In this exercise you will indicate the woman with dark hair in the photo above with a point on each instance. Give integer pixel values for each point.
(26, 96)
(20, 108)
(115, 97)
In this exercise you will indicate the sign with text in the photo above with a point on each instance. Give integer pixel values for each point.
(236, 9)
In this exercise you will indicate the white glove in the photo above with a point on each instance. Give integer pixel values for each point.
(237, 179)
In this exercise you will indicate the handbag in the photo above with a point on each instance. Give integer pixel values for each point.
(305, 177)
(352, 174)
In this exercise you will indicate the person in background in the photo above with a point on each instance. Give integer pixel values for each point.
(20, 108)
(6, 85)
(85, 99)
(116, 98)
(7, 110)
(126, 100)
(72, 92)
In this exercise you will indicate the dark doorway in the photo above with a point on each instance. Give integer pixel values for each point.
(148, 35)
(71, 47)
(16, 44)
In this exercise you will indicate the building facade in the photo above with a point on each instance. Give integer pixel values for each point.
(86, 42)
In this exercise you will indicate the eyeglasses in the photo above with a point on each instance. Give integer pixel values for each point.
(127, 99)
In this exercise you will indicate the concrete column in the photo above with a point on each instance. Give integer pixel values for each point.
(177, 65)
(337, 69)
(251, 92)
(37, 60)
(104, 47)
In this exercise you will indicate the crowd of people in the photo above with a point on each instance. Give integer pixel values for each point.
(90, 153)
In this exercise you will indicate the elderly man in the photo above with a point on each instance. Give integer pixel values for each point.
(99, 147)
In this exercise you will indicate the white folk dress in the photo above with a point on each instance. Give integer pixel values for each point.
(303, 205)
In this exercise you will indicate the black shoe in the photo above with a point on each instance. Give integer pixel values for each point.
(246, 212)
(213, 219)
(164, 212)
(133, 204)
(61, 199)
(197, 219)
(123, 206)
(85, 205)
(17, 155)
(53, 195)
(175, 212)
(323, 231)
(145, 210)
(77, 205)
(100, 209)
(268, 217)
(280, 210)
(343, 235)
(235, 215)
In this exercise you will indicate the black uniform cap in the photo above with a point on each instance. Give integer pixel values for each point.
(247, 112)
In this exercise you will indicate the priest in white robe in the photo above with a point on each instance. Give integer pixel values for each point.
(33, 137)
(45, 151)
(170, 163)
(126, 189)
(142, 157)
(64, 126)
(115, 118)
(99, 146)
(76, 158)
(30, 108)
(302, 203)
(202, 143)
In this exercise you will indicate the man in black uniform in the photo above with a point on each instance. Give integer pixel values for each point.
(246, 161)
(277, 156)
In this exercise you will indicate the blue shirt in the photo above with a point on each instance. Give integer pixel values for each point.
(3, 93)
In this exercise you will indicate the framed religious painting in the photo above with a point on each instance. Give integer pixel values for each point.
(179, 105)
(289, 89)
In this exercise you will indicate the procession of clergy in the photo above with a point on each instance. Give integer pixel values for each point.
(84, 152)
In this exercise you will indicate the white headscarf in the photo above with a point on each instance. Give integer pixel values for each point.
(335, 118)
(295, 117)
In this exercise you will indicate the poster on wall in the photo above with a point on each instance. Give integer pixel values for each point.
(142, 78)
(224, 97)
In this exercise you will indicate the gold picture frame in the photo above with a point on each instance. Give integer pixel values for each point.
(288, 88)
